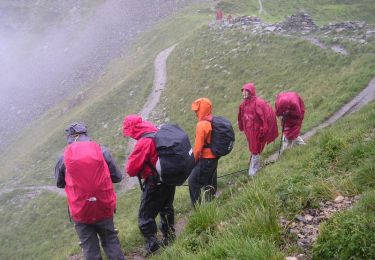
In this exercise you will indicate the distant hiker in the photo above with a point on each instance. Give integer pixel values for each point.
(204, 174)
(291, 108)
(157, 197)
(219, 15)
(229, 19)
(258, 121)
(86, 170)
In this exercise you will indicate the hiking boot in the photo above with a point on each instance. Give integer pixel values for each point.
(152, 246)
(168, 240)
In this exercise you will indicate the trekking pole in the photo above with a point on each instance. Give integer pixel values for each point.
(231, 173)
(225, 175)
(70, 219)
(282, 133)
(140, 181)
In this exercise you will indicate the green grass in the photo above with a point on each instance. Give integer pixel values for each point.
(216, 64)
(322, 11)
(247, 214)
(242, 224)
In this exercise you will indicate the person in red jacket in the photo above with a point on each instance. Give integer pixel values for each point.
(86, 170)
(204, 174)
(219, 15)
(291, 108)
(258, 121)
(157, 197)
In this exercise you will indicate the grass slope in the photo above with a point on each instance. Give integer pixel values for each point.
(216, 64)
(205, 63)
(322, 11)
(243, 222)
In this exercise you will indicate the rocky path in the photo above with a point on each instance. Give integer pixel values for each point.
(306, 226)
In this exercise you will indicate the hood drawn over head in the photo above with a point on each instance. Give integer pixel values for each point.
(134, 126)
(249, 87)
(202, 107)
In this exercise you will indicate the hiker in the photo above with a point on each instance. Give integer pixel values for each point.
(157, 197)
(291, 108)
(258, 121)
(87, 170)
(219, 15)
(204, 174)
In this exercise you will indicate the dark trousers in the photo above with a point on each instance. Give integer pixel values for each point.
(88, 235)
(203, 177)
(157, 198)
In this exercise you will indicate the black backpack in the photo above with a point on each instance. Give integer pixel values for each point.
(175, 154)
(222, 136)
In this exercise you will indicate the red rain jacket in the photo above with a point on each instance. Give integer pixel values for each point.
(144, 150)
(89, 189)
(257, 120)
(290, 105)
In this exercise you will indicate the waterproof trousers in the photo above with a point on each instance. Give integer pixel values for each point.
(157, 198)
(203, 178)
(254, 164)
(89, 235)
(287, 143)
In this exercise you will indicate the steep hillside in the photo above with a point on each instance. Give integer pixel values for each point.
(322, 11)
(245, 221)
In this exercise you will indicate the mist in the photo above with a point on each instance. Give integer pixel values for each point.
(49, 49)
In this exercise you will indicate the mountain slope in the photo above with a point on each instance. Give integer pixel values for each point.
(214, 63)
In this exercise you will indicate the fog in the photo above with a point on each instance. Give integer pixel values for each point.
(49, 48)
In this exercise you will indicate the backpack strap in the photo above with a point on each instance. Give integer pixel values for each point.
(207, 145)
(149, 135)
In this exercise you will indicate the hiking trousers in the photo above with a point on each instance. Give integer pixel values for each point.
(89, 235)
(157, 198)
(203, 177)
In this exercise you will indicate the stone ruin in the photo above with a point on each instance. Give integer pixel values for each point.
(299, 22)
(302, 23)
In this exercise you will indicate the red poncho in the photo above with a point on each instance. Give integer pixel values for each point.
(290, 106)
(257, 120)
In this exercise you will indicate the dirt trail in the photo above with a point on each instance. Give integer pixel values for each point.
(362, 99)
(261, 10)
(34, 191)
(336, 48)
(160, 79)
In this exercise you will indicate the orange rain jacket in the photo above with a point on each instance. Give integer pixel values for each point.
(203, 111)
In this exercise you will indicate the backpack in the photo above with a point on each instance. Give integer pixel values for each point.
(176, 158)
(222, 136)
(89, 189)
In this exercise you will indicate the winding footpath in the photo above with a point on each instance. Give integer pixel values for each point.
(160, 79)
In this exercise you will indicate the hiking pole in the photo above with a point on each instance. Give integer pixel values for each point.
(70, 219)
(140, 181)
(231, 173)
(282, 133)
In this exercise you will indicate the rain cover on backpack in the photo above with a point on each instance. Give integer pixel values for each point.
(89, 188)
(175, 154)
